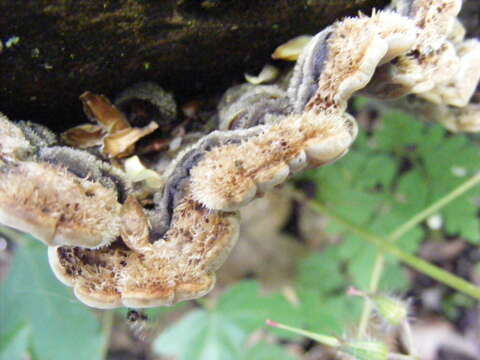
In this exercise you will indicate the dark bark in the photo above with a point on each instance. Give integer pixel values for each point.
(190, 47)
(470, 17)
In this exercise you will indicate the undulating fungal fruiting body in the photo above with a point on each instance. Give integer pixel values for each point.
(123, 239)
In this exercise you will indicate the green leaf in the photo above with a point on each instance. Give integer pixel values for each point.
(59, 323)
(14, 344)
(461, 218)
(409, 197)
(176, 339)
(201, 335)
(327, 314)
(350, 246)
(321, 285)
(410, 194)
(243, 305)
(378, 170)
(394, 277)
(219, 339)
(265, 351)
(321, 271)
(219, 333)
(448, 163)
(397, 131)
(360, 269)
(338, 185)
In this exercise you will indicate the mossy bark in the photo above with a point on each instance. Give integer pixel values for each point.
(190, 47)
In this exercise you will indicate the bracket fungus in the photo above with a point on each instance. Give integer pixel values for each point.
(115, 249)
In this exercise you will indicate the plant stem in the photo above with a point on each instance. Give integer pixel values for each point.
(322, 339)
(373, 287)
(418, 264)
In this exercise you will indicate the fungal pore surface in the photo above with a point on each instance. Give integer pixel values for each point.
(121, 234)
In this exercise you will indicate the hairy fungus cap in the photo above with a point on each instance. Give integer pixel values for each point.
(138, 273)
(56, 206)
(466, 119)
(342, 59)
(432, 60)
(458, 90)
(231, 175)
